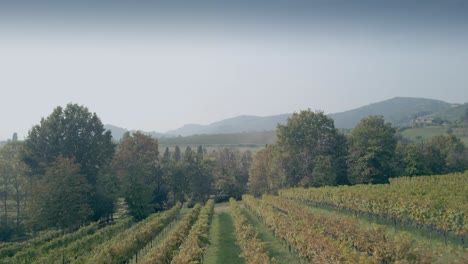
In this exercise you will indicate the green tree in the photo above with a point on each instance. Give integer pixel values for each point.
(228, 174)
(166, 156)
(61, 198)
(177, 154)
(266, 174)
(372, 146)
(307, 138)
(410, 160)
(73, 133)
(13, 184)
(137, 167)
(189, 155)
(200, 152)
(177, 180)
(446, 154)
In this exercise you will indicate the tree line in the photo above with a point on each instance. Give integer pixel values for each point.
(311, 152)
(69, 172)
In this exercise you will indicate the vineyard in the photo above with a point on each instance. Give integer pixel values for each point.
(410, 220)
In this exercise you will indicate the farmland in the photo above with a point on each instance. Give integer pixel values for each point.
(411, 220)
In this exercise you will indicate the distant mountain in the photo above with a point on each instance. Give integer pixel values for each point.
(118, 132)
(400, 111)
(239, 124)
(235, 139)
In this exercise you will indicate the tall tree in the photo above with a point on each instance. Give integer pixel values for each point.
(307, 139)
(446, 154)
(410, 160)
(200, 152)
(61, 199)
(166, 155)
(137, 166)
(372, 146)
(177, 155)
(189, 155)
(266, 174)
(15, 137)
(228, 174)
(74, 133)
(13, 183)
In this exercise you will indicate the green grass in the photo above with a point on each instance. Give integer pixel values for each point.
(275, 248)
(223, 248)
(418, 134)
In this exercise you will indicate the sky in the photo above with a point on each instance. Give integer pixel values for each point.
(157, 65)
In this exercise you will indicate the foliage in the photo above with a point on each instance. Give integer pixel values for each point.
(164, 252)
(229, 173)
(307, 139)
(9, 250)
(437, 202)
(267, 173)
(371, 151)
(30, 254)
(72, 251)
(123, 246)
(61, 197)
(72, 133)
(136, 165)
(13, 189)
(313, 245)
(193, 248)
(253, 249)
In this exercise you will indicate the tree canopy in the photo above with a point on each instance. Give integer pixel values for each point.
(372, 146)
(308, 139)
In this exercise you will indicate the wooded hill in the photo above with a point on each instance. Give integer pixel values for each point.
(400, 111)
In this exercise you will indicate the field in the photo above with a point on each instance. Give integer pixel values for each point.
(426, 133)
(412, 220)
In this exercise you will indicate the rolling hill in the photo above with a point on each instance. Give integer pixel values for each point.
(400, 111)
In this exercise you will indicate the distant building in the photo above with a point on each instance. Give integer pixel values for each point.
(425, 120)
(455, 105)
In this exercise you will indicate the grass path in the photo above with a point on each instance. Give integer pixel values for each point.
(223, 248)
(275, 248)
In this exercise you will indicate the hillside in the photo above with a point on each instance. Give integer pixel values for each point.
(246, 138)
(118, 132)
(244, 123)
(452, 113)
(400, 111)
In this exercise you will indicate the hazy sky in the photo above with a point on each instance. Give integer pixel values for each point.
(158, 67)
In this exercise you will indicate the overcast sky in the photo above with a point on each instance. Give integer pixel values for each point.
(155, 68)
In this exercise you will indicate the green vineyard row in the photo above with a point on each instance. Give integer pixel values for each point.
(166, 250)
(253, 249)
(82, 246)
(193, 249)
(10, 249)
(30, 254)
(311, 245)
(122, 247)
(437, 202)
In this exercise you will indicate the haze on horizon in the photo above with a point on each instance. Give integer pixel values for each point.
(156, 67)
